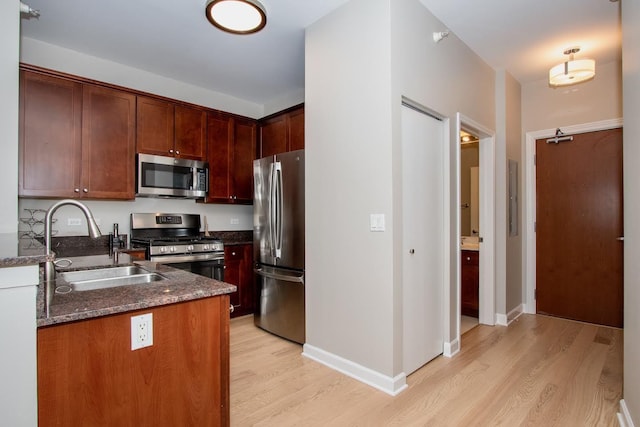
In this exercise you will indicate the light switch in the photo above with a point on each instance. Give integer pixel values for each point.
(376, 222)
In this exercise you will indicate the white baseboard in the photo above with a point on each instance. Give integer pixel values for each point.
(624, 417)
(505, 320)
(392, 386)
(451, 348)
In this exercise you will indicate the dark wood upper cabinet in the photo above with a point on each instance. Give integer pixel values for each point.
(296, 129)
(230, 153)
(108, 143)
(76, 140)
(190, 132)
(168, 129)
(155, 126)
(50, 136)
(282, 132)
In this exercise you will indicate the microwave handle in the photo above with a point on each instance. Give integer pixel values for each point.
(206, 180)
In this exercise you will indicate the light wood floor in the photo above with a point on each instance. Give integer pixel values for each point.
(539, 371)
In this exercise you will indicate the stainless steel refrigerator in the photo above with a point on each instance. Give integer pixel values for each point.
(278, 233)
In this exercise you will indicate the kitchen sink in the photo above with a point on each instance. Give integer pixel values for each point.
(102, 278)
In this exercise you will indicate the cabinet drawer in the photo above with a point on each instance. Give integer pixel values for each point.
(469, 257)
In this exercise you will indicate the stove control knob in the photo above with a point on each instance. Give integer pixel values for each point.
(205, 247)
(190, 248)
(163, 249)
(173, 249)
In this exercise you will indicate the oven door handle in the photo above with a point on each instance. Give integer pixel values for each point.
(171, 259)
(294, 279)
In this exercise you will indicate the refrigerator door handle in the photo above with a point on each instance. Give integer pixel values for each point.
(271, 210)
(278, 209)
(295, 279)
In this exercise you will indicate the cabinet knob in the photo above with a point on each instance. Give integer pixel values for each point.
(85, 190)
(171, 151)
(177, 152)
(231, 308)
(468, 258)
(76, 190)
(233, 253)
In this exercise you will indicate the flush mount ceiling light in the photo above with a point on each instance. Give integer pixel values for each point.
(572, 71)
(237, 16)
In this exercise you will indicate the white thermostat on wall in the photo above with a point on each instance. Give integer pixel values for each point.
(376, 222)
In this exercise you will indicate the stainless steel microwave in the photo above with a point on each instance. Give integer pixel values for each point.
(160, 176)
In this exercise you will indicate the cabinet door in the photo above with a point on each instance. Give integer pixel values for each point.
(50, 136)
(244, 148)
(273, 136)
(238, 271)
(108, 143)
(219, 140)
(296, 129)
(190, 132)
(154, 126)
(469, 284)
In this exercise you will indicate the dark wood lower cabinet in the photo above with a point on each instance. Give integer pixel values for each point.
(469, 283)
(238, 270)
(89, 376)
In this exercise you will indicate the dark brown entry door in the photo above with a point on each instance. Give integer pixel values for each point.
(579, 228)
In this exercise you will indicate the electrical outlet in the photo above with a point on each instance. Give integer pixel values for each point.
(141, 331)
(74, 221)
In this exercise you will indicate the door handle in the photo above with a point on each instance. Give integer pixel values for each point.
(621, 238)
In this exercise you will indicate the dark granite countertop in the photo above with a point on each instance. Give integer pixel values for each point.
(178, 286)
(16, 252)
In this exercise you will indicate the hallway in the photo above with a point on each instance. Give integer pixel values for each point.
(540, 371)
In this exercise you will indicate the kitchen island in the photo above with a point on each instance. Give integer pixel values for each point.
(87, 372)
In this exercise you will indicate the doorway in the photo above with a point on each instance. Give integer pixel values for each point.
(486, 220)
(529, 233)
(469, 230)
(579, 235)
(423, 235)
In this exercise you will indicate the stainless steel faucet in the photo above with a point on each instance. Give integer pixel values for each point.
(49, 267)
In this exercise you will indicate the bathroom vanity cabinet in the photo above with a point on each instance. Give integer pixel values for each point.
(469, 283)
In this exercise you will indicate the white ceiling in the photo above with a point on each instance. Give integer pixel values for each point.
(173, 38)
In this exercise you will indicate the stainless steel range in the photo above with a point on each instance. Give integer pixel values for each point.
(175, 239)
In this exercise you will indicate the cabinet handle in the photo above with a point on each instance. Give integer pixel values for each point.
(85, 190)
(76, 190)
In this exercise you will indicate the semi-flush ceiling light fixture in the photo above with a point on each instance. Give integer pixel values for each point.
(237, 16)
(572, 71)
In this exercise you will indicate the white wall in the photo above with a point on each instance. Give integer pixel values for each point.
(448, 78)
(9, 46)
(354, 84)
(349, 270)
(631, 82)
(219, 217)
(508, 100)
(544, 107)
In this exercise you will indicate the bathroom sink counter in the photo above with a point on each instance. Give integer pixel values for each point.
(179, 286)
